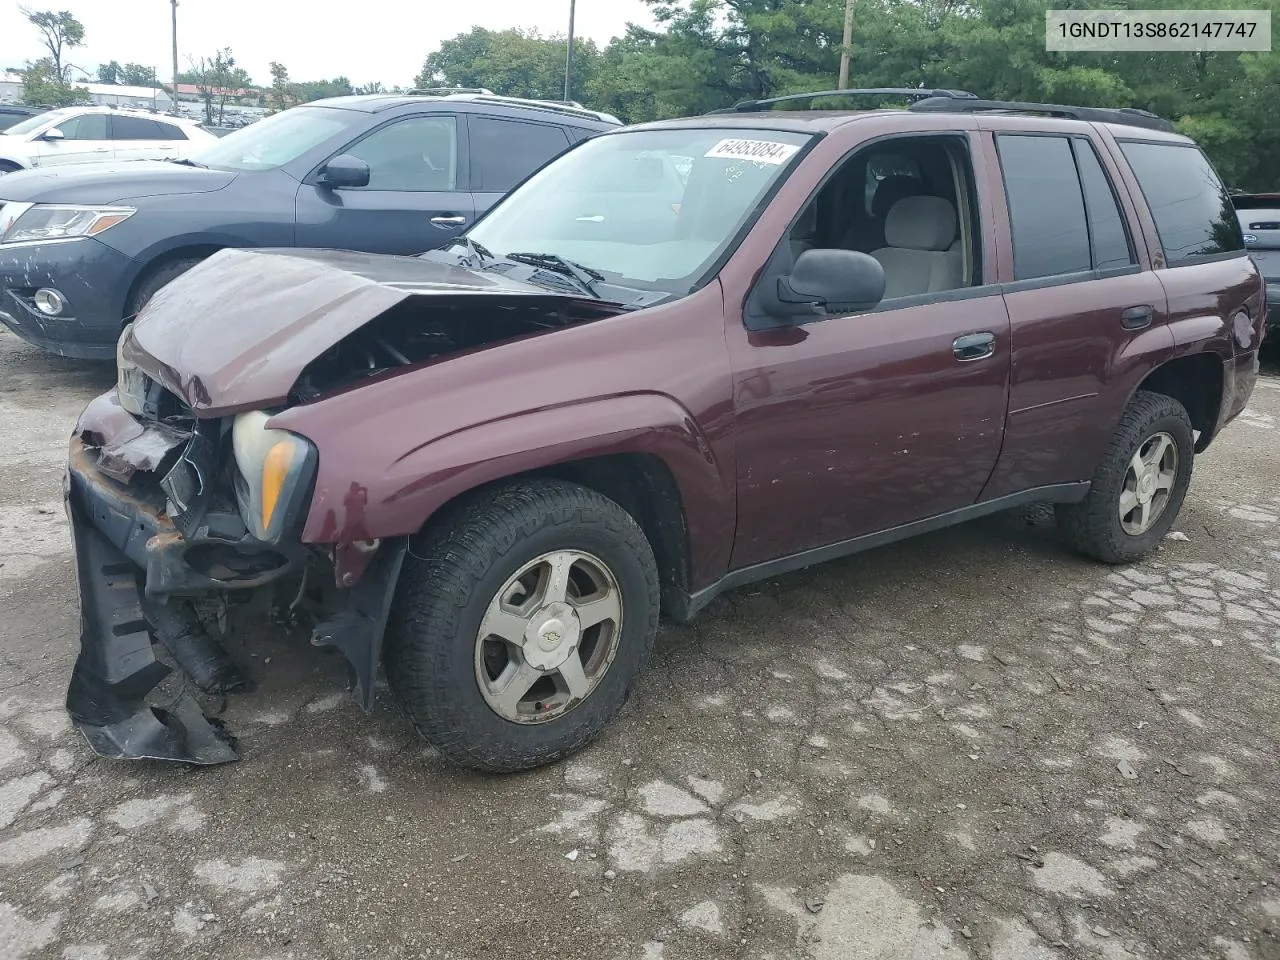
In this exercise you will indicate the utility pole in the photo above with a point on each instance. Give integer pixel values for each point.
(844, 49)
(568, 60)
(174, 100)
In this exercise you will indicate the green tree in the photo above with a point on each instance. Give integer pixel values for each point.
(59, 32)
(218, 79)
(109, 72)
(136, 75)
(42, 86)
(283, 95)
(514, 63)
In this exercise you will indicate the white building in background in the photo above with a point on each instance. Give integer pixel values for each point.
(102, 94)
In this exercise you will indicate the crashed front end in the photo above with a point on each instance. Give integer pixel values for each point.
(170, 515)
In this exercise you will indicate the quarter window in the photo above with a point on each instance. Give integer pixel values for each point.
(1193, 212)
(1106, 223)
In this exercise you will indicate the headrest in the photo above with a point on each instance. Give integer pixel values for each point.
(890, 190)
(921, 223)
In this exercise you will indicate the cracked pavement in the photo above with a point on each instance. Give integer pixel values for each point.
(971, 746)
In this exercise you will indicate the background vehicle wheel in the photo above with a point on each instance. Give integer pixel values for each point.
(157, 279)
(521, 623)
(1138, 488)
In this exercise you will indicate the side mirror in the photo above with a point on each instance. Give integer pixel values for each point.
(344, 171)
(827, 282)
(53, 135)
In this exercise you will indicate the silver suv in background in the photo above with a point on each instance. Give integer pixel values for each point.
(1259, 215)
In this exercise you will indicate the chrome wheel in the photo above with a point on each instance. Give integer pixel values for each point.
(549, 636)
(1148, 484)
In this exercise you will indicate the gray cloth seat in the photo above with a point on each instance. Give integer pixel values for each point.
(921, 255)
(867, 234)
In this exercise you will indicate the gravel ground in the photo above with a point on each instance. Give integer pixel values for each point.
(973, 745)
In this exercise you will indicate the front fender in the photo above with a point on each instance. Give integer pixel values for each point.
(411, 490)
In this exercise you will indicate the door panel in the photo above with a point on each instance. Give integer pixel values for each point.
(1070, 349)
(861, 423)
(414, 201)
(140, 138)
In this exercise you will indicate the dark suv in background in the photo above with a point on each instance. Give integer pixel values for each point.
(83, 248)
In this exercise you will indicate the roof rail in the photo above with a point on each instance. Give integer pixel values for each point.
(753, 106)
(447, 91)
(556, 106)
(1128, 116)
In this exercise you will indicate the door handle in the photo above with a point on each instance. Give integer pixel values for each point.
(1135, 318)
(454, 221)
(974, 346)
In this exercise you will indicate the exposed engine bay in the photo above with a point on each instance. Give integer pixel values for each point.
(415, 332)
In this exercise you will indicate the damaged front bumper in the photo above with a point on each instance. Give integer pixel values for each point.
(140, 562)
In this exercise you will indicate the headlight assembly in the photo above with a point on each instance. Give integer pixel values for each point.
(55, 221)
(275, 471)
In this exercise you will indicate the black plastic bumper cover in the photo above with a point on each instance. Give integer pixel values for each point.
(117, 668)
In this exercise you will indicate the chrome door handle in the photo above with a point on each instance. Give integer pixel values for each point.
(448, 221)
(974, 346)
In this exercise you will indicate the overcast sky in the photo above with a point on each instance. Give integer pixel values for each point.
(364, 40)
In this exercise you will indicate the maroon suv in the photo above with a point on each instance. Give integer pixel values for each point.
(682, 357)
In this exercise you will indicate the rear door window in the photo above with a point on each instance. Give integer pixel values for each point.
(134, 128)
(1192, 209)
(504, 152)
(1046, 206)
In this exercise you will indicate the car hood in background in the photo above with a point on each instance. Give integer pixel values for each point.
(236, 331)
(110, 182)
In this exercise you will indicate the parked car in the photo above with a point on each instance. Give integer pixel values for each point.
(82, 135)
(489, 467)
(1259, 215)
(12, 113)
(382, 173)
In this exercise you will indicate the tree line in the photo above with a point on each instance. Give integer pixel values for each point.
(707, 54)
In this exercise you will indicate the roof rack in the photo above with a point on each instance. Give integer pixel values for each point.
(754, 106)
(569, 107)
(1129, 116)
(447, 91)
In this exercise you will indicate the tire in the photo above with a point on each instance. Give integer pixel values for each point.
(461, 567)
(156, 279)
(1094, 526)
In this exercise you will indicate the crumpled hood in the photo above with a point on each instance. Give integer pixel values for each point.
(109, 182)
(234, 332)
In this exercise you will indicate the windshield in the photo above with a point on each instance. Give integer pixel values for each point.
(32, 124)
(652, 209)
(276, 140)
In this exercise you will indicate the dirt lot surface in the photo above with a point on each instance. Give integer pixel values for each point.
(974, 745)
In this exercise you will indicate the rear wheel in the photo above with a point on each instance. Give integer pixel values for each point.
(155, 280)
(521, 623)
(1139, 487)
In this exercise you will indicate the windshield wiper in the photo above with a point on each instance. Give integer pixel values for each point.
(476, 250)
(186, 162)
(553, 261)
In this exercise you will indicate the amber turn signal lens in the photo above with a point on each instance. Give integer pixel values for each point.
(275, 470)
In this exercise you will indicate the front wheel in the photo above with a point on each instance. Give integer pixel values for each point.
(521, 623)
(1139, 487)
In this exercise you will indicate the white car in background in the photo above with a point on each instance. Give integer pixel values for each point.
(96, 134)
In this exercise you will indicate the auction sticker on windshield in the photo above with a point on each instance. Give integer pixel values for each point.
(759, 151)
